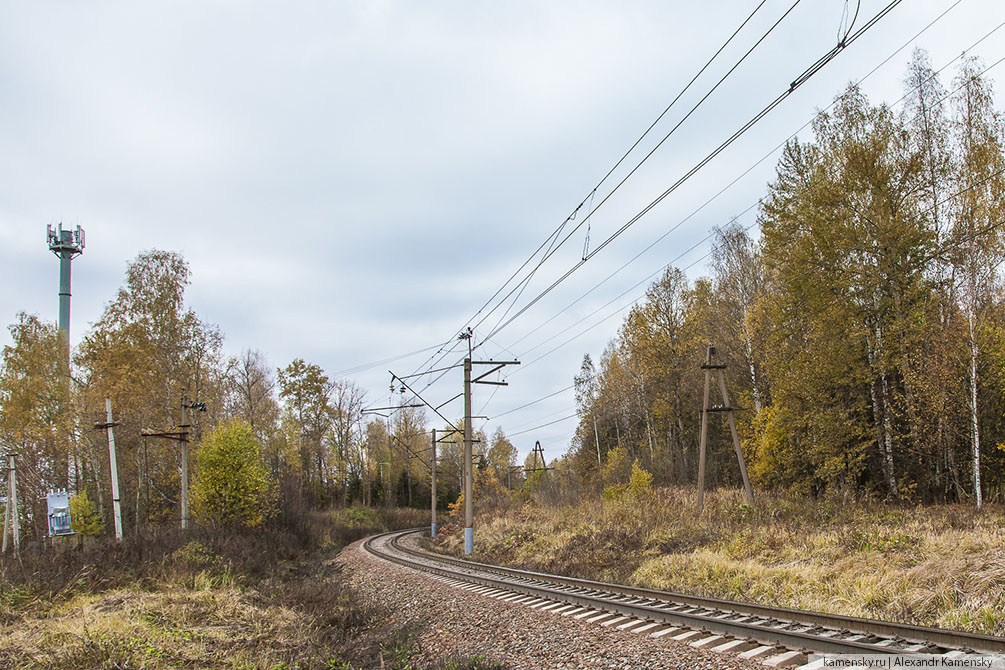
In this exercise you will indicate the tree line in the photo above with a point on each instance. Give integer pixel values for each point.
(864, 329)
(146, 351)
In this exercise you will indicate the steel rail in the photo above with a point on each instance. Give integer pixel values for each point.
(794, 629)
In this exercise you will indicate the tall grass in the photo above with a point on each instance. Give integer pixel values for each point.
(254, 598)
(934, 565)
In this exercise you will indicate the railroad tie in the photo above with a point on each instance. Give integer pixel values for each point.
(710, 641)
(734, 647)
(786, 659)
(758, 653)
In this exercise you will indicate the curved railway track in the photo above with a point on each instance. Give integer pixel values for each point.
(785, 636)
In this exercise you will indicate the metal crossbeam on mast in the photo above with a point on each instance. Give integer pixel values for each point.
(469, 530)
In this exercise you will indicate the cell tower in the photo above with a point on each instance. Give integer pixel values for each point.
(67, 245)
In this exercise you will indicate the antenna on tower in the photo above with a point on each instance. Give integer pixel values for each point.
(67, 245)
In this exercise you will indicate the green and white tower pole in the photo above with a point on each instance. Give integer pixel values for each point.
(67, 245)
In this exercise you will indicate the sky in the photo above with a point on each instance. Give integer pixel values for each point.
(351, 181)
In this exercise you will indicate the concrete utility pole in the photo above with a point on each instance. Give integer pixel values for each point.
(179, 436)
(381, 470)
(708, 366)
(67, 245)
(184, 425)
(11, 520)
(113, 468)
(432, 488)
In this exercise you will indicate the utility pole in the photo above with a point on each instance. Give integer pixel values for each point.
(380, 469)
(469, 531)
(113, 467)
(538, 450)
(437, 440)
(467, 474)
(469, 508)
(432, 488)
(708, 366)
(184, 463)
(11, 520)
(509, 475)
(182, 437)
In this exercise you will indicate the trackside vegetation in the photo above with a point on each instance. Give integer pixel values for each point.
(863, 327)
(938, 565)
(265, 597)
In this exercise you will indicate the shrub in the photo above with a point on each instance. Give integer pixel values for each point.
(231, 487)
(640, 484)
(84, 516)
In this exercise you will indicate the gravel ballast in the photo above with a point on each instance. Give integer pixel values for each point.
(456, 622)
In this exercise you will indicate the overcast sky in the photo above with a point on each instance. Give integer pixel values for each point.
(351, 181)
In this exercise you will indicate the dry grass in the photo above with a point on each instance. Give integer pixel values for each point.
(265, 599)
(936, 565)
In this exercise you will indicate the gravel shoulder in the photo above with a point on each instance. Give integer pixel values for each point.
(455, 622)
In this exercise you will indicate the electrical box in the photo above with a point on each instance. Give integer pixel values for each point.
(58, 503)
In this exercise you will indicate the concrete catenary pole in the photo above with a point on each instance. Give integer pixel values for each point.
(469, 532)
(432, 489)
(113, 469)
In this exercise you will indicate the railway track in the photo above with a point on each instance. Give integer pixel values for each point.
(777, 636)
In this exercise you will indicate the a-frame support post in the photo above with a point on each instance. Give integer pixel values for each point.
(736, 438)
(708, 366)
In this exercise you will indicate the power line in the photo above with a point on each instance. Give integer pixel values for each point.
(543, 425)
(550, 240)
(694, 213)
(638, 165)
(793, 86)
(618, 297)
(532, 402)
(749, 170)
(367, 366)
(709, 236)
